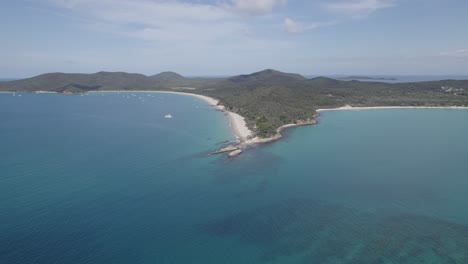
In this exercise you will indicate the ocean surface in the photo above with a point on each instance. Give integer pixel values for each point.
(105, 178)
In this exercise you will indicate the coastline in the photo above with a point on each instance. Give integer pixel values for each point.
(348, 107)
(245, 137)
(279, 133)
(313, 120)
(46, 92)
(236, 121)
(239, 127)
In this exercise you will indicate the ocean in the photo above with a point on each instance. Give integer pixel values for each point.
(106, 178)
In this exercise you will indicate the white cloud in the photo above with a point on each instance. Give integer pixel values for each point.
(176, 35)
(145, 11)
(255, 7)
(158, 20)
(292, 27)
(358, 8)
(455, 53)
(321, 24)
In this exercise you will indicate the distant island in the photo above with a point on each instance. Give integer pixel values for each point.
(269, 100)
(368, 78)
(6, 79)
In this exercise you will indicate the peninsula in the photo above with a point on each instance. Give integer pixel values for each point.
(260, 105)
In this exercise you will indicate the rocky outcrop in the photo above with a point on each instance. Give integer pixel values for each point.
(229, 148)
(235, 150)
(235, 153)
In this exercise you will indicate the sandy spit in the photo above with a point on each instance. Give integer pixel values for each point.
(348, 107)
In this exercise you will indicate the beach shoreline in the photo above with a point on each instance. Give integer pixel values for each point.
(313, 120)
(236, 121)
(348, 107)
(279, 133)
(246, 138)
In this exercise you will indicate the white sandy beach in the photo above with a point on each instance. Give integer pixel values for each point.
(237, 122)
(209, 100)
(46, 92)
(348, 107)
(277, 136)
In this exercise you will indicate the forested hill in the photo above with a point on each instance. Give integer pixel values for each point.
(268, 99)
(267, 75)
(76, 83)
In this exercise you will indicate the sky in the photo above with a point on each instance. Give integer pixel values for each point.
(228, 37)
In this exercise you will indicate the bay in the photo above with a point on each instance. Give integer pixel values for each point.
(105, 178)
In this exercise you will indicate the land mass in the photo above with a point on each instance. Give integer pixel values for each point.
(269, 100)
(358, 77)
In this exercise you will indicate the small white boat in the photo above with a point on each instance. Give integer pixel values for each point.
(168, 116)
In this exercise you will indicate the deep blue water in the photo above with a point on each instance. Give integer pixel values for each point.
(105, 178)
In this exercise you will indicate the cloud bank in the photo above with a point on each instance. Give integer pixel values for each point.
(358, 8)
(256, 7)
(292, 27)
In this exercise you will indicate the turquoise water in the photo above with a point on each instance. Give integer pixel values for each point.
(105, 178)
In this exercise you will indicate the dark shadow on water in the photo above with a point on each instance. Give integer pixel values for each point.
(318, 232)
(255, 166)
(225, 143)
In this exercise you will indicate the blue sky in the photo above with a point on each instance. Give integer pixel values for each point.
(226, 37)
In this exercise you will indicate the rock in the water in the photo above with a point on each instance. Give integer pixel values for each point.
(230, 148)
(235, 153)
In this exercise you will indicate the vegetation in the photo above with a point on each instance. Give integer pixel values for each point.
(267, 99)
